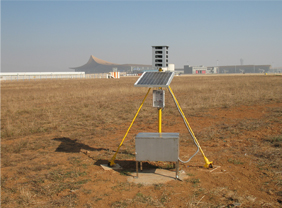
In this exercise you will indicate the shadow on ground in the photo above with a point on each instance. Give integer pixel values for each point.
(72, 146)
(129, 165)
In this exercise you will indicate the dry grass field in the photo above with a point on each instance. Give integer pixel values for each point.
(56, 133)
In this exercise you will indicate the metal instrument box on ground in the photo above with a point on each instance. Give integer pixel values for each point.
(157, 147)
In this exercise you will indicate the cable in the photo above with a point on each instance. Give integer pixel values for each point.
(191, 133)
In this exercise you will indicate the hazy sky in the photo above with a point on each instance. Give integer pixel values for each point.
(53, 36)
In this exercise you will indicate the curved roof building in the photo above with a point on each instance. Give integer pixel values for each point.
(96, 65)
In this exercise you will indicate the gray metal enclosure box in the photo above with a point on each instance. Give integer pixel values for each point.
(157, 147)
(159, 98)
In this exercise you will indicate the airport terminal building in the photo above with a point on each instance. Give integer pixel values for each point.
(234, 69)
(231, 69)
(96, 65)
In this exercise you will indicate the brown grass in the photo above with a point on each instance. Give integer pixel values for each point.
(55, 133)
(35, 107)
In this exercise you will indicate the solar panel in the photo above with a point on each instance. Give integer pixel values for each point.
(154, 79)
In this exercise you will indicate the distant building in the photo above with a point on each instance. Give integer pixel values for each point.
(171, 67)
(179, 71)
(234, 69)
(195, 69)
(160, 56)
(96, 65)
(212, 70)
(41, 75)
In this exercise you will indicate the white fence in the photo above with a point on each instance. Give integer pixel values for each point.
(50, 75)
(100, 75)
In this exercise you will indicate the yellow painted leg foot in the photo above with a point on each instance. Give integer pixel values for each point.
(208, 163)
(111, 163)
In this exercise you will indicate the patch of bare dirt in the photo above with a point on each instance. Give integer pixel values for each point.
(63, 170)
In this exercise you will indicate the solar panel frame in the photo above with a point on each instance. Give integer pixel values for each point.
(154, 79)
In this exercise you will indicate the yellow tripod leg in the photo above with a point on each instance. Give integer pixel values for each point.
(112, 161)
(208, 164)
(160, 120)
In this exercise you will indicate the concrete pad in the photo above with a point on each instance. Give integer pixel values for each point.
(155, 176)
(115, 167)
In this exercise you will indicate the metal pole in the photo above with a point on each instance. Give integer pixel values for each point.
(136, 169)
(160, 111)
(208, 163)
(160, 120)
(177, 169)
